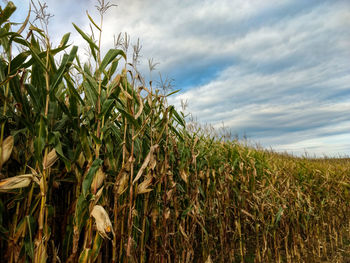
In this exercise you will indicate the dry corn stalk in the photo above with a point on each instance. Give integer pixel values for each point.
(15, 182)
(103, 223)
(7, 146)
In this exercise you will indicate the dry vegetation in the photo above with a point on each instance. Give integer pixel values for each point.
(96, 167)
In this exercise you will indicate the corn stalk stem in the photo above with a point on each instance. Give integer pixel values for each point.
(131, 199)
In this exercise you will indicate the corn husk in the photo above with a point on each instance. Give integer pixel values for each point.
(81, 160)
(7, 146)
(15, 182)
(40, 254)
(98, 195)
(122, 183)
(103, 223)
(143, 187)
(184, 176)
(154, 215)
(209, 260)
(98, 180)
(51, 158)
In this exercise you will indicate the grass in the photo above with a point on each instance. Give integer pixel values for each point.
(97, 167)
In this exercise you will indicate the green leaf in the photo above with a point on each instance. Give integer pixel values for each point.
(278, 215)
(85, 143)
(96, 247)
(85, 256)
(18, 61)
(186, 211)
(110, 73)
(93, 22)
(34, 54)
(34, 97)
(90, 87)
(86, 37)
(177, 116)
(179, 136)
(43, 55)
(128, 116)
(73, 91)
(106, 107)
(90, 175)
(91, 93)
(95, 139)
(64, 67)
(172, 93)
(109, 57)
(81, 212)
(29, 245)
(64, 40)
(39, 142)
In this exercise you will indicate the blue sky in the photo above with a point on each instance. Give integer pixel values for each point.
(275, 71)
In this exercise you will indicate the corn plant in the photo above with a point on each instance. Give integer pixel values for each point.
(97, 167)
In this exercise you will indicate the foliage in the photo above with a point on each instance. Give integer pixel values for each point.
(97, 167)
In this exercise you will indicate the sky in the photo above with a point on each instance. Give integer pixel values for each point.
(274, 71)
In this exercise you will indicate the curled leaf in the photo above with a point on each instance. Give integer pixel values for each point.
(146, 162)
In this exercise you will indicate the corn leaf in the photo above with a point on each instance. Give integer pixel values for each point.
(109, 57)
(7, 12)
(86, 37)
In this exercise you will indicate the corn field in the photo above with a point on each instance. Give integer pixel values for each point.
(97, 167)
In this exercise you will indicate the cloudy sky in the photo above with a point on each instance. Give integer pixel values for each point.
(276, 71)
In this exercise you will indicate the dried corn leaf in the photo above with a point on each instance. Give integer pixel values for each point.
(140, 107)
(146, 162)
